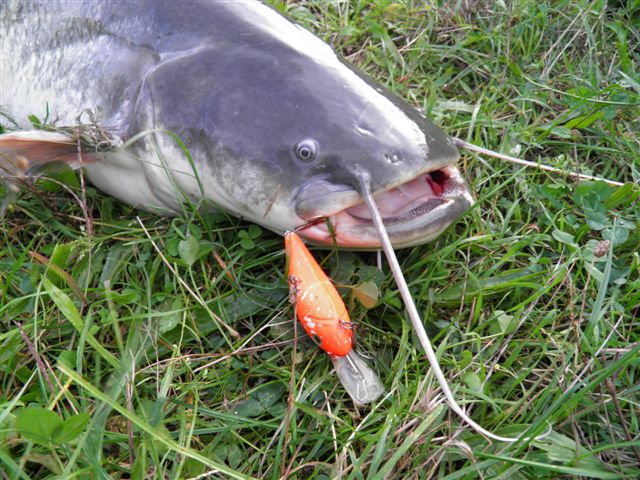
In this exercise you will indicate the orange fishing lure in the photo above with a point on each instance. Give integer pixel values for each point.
(319, 306)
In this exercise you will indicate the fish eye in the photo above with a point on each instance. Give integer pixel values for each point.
(306, 149)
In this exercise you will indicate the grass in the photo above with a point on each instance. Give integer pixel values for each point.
(114, 362)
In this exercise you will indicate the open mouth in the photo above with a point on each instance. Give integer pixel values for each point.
(407, 201)
(414, 212)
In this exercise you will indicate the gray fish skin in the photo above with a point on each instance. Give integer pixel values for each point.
(278, 126)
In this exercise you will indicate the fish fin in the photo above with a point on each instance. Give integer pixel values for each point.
(27, 153)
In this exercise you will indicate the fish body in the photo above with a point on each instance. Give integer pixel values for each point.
(277, 127)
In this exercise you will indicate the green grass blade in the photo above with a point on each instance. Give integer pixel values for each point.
(144, 426)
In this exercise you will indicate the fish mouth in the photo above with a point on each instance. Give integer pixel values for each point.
(414, 212)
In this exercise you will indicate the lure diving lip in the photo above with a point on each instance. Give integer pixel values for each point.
(324, 316)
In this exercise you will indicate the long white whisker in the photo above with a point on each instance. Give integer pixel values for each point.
(485, 151)
(365, 191)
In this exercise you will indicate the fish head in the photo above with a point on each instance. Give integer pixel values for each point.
(365, 130)
(283, 129)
